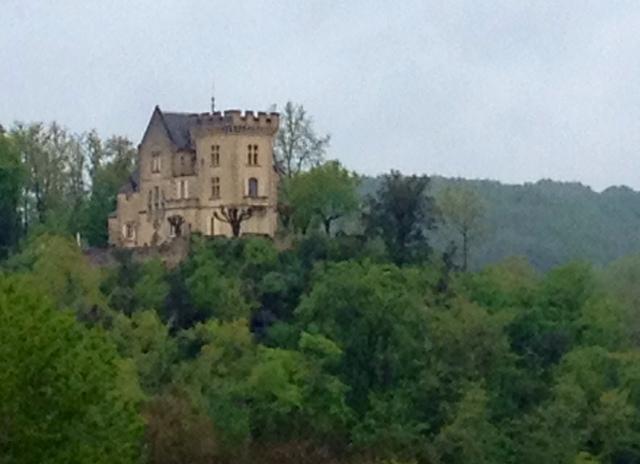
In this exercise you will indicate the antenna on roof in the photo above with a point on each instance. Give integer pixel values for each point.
(213, 97)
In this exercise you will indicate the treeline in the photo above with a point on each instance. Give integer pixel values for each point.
(55, 181)
(548, 222)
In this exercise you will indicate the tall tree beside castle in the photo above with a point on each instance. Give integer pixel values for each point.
(111, 164)
(323, 195)
(297, 146)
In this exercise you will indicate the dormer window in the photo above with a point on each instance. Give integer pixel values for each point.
(155, 162)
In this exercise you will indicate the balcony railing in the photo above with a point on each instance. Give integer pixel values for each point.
(256, 201)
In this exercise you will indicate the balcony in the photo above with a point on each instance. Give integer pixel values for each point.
(182, 203)
(256, 201)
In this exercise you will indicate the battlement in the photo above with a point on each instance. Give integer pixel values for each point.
(236, 121)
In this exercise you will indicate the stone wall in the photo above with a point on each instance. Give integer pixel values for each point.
(171, 253)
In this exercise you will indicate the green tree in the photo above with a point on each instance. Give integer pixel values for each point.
(146, 340)
(470, 436)
(65, 274)
(376, 314)
(463, 211)
(402, 213)
(152, 289)
(214, 292)
(63, 396)
(326, 193)
(55, 164)
(297, 146)
(217, 378)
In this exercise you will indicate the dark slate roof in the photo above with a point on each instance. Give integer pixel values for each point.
(133, 183)
(179, 125)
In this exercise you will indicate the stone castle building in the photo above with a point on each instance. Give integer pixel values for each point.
(213, 173)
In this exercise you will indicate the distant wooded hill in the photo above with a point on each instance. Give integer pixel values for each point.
(548, 222)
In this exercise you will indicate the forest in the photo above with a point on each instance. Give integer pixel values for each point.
(381, 327)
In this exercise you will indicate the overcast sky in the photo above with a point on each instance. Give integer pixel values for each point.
(511, 90)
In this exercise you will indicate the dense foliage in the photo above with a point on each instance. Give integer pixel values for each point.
(325, 351)
(357, 336)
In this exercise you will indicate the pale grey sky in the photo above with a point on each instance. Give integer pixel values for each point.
(511, 90)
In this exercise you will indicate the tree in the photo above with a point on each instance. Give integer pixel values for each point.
(234, 216)
(376, 315)
(146, 340)
(217, 379)
(11, 180)
(213, 293)
(326, 192)
(65, 273)
(401, 213)
(64, 393)
(297, 146)
(469, 436)
(463, 210)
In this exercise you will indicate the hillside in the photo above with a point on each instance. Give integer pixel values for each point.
(549, 222)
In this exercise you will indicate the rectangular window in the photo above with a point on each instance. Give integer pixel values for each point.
(215, 187)
(215, 155)
(156, 198)
(212, 226)
(172, 230)
(183, 189)
(129, 231)
(252, 155)
(155, 161)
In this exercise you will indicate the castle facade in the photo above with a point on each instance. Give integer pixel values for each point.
(212, 172)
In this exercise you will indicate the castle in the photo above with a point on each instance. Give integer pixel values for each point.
(213, 173)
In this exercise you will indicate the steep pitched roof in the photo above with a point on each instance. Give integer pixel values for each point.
(178, 127)
(133, 183)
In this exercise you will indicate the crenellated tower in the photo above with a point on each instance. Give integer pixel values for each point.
(192, 167)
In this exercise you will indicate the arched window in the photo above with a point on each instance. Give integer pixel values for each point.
(253, 187)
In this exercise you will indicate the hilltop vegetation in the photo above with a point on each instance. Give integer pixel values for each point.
(372, 330)
(52, 180)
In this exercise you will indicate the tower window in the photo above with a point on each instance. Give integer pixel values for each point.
(252, 155)
(253, 187)
(215, 155)
(215, 187)
(156, 198)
